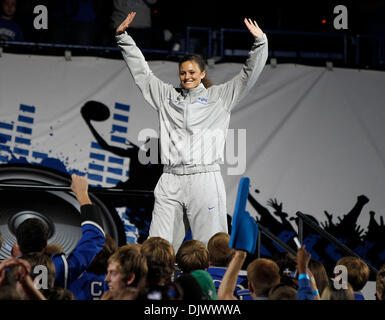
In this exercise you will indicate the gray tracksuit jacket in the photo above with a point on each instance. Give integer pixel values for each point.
(193, 123)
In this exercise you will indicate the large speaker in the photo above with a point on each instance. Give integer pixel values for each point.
(59, 210)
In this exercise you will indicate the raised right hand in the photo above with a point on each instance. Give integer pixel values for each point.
(126, 23)
(79, 186)
(303, 258)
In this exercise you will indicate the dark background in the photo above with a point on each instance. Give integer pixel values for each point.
(277, 15)
(364, 18)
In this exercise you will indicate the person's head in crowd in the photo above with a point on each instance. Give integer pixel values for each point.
(42, 269)
(207, 284)
(8, 9)
(190, 287)
(160, 256)
(283, 291)
(320, 275)
(220, 254)
(100, 263)
(16, 275)
(8, 282)
(127, 267)
(262, 275)
(192, 255)
(287, 265)
(127, 293)
(32, 236)
(58, 293)
(53, 248)
(9, 292)
(137, 246)
(358, 271)
(330, 292)
(380, 283)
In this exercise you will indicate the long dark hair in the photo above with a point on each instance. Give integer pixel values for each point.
(202, 66)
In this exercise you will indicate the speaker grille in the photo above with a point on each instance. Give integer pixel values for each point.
(59, 210)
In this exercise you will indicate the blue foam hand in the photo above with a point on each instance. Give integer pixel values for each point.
(244, 231)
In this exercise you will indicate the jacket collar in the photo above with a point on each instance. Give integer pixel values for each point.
(193, 91)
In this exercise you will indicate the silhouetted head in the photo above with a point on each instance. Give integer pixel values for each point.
(32, 236)
(94, 110)
(283, 291)
(190, 286)
(192, 72)
(100, 263)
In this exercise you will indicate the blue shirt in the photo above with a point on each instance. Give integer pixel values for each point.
(89, 286)
(10, 31)
(244, 294)
(69, 269)
(305, 291)
(358, 296)
(217, 274)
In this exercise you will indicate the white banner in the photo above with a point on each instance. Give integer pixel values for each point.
(314, 137)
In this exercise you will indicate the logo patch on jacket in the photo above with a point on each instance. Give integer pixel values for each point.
(203, 100)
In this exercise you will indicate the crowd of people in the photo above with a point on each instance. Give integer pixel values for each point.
(99, 269)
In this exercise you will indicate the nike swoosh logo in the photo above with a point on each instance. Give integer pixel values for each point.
(211, 208)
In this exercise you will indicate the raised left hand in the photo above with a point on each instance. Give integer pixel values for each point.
(126, 23)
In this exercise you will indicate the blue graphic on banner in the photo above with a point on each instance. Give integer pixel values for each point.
(104, 169)
(16, 146)
(130, 230)
(17, 143)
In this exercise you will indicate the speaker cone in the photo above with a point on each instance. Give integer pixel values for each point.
(58, 210)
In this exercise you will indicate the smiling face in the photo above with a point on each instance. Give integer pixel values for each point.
(190, 74)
